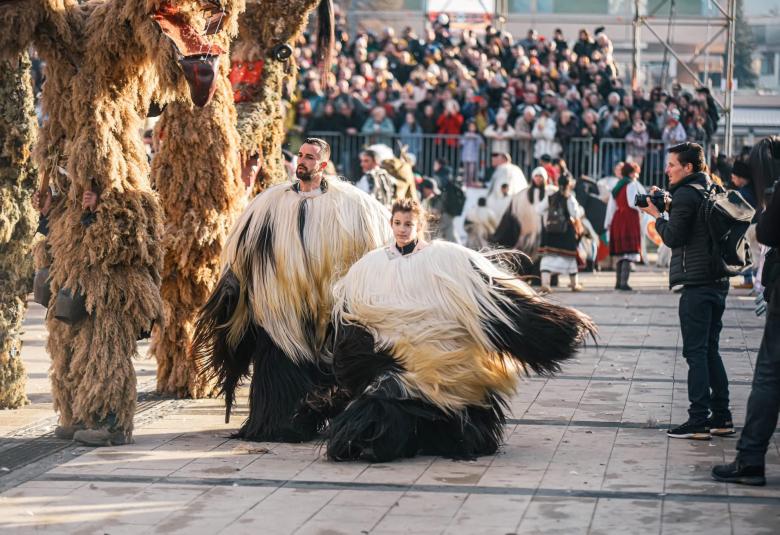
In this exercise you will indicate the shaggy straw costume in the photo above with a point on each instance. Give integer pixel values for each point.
(105, 62)
(261, 80)
(198, 177)
(430, 345)
(272, 306)
(17, 221)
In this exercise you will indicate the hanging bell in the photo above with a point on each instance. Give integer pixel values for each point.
(70, 307)
(41, 288)
(282, 52)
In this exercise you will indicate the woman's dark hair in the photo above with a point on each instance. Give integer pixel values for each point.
(690, 153)
(765, 167)
(563, 183)
(629, 168)
(542, 190)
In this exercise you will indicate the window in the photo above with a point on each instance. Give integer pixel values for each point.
(768, 64)
(569, 6)
(681, 7)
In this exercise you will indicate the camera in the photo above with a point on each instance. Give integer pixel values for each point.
(658, 198)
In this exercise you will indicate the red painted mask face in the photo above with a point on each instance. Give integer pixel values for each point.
(199, 57)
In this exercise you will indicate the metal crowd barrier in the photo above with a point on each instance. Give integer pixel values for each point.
(584, 156)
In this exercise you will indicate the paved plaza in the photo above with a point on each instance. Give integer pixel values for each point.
(585, 452)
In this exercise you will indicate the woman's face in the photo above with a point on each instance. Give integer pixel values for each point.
(404, 227)
(538, 180)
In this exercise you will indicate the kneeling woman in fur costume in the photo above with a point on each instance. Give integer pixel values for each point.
(430, 340)
(272, 306)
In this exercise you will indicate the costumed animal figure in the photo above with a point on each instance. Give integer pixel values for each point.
(521, 226)
(429, 341)
(18, 180)
(105, 63)
(264, 71)
(197, 173)
(202, 196)
(272, 306)
(402, 170)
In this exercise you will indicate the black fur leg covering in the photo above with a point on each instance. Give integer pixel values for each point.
(278, 408)
(217, 359)
(384, 424)
(541, 335)
(278, 397)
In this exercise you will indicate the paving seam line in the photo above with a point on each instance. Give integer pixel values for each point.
(418, 488)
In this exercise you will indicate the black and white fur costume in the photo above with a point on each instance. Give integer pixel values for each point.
(430, 345)
(272, 306)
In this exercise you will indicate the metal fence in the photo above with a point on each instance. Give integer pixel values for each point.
(584, 156)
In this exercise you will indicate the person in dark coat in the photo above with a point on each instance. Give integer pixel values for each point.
(703, 296)
(764, 401)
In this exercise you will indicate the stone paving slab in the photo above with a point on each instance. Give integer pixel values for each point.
(585, 452)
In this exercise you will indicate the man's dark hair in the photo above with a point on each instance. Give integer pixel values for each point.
(764, 166)
(690, 153)
(322, 144)
(482, 201)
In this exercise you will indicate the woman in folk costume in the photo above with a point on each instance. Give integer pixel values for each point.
(429, 341)
(521, 226)
(623, 221)
(561, 215)
(272, 306)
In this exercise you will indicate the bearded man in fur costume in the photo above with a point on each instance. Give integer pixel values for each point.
(272, 306)
(430, 340)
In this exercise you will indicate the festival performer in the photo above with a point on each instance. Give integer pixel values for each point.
(107, 63)
(623, 221)
(272, 305)
(430, 340)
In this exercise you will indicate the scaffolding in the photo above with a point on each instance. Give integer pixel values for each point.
(726, 23)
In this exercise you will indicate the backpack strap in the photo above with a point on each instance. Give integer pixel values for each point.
(704, 190)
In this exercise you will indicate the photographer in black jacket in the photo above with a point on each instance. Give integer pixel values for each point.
(764, 401)
(703, 297)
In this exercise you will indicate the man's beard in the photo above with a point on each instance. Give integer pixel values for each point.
(303, 174)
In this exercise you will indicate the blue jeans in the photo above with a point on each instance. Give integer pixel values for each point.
(701, 311)
(764, 400)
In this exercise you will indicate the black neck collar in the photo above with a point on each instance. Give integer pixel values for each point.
(406, 249)
(323, 186)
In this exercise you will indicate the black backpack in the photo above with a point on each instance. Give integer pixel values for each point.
(454, 198)
(727, 216)
(557, 219)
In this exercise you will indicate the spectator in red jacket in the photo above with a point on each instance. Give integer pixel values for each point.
(450, 122)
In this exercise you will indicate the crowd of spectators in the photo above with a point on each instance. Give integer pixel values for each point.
(542, 91)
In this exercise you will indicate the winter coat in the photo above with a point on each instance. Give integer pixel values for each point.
(686, 233)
